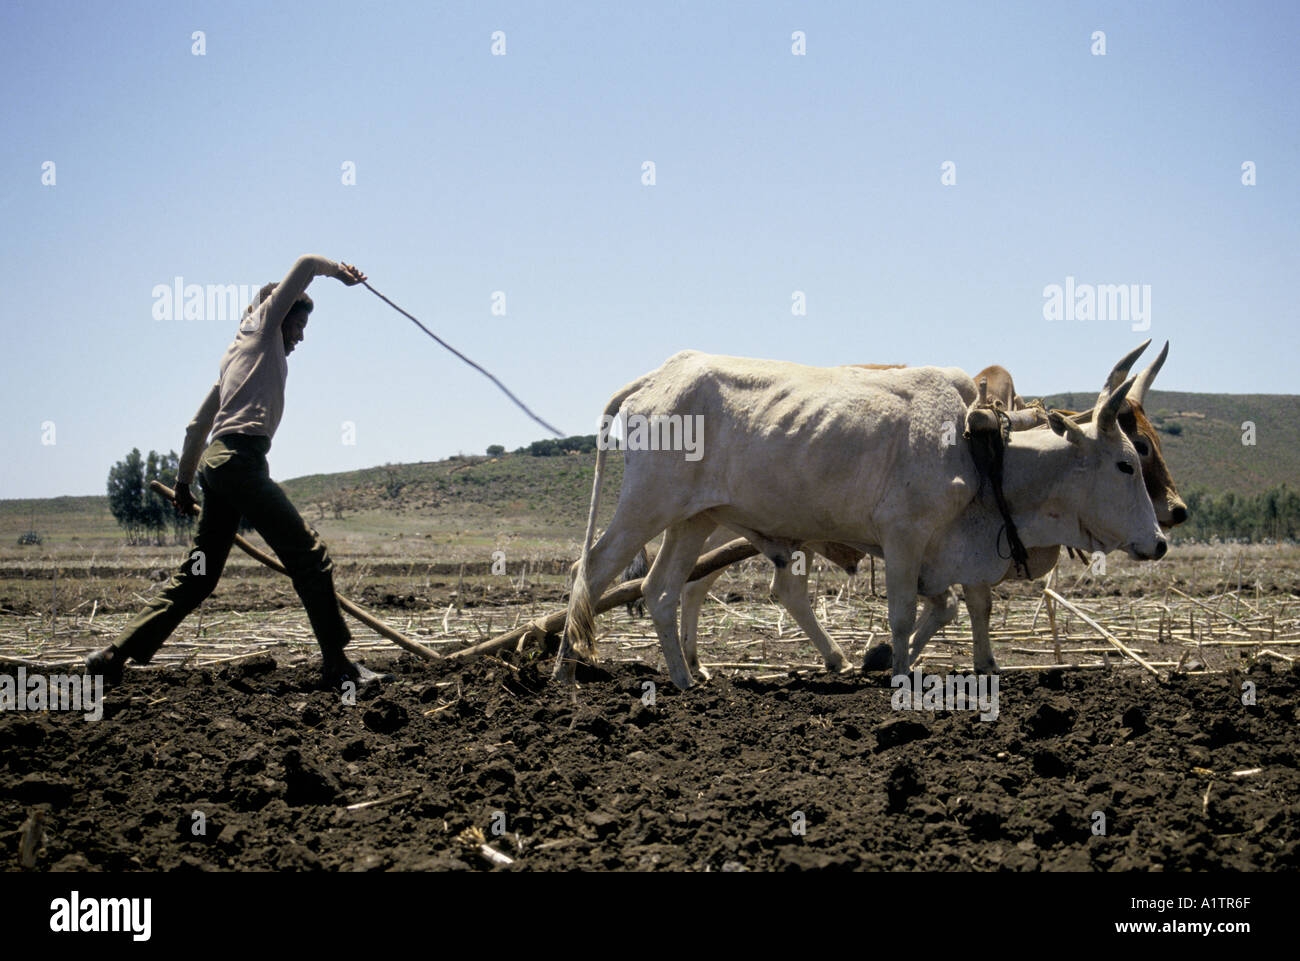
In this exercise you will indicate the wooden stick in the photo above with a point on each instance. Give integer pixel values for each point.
(1281, 657)
(366, 618)
(553, 623)
(1207, 607)
(494, 857)
(1128, 652)
(1071, 667)
(747, 666)
(383, 800)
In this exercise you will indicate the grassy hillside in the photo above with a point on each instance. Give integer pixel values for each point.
(468, 503)
(544, 495)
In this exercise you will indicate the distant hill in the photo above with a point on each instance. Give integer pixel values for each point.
(1200, 434)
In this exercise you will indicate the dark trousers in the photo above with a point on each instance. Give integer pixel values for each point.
(237, 482)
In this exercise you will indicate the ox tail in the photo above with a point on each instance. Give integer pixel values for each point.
(580, 626)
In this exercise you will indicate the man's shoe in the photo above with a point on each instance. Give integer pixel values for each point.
(110, 663)
(333, 675)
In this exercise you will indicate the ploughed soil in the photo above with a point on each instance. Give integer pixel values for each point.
(796, 773)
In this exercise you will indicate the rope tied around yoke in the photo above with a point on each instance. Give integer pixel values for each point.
(482, 370)
(988, 448)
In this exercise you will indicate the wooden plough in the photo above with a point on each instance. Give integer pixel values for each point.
(720, 557)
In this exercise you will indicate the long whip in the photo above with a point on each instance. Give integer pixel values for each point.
(482, 370)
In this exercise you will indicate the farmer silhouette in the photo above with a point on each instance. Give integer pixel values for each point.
(242, 411)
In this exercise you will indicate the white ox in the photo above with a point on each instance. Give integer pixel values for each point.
(872, 459)
(790, 587)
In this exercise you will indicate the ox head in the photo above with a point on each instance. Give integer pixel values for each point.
(1111, 501)
(1170, 508)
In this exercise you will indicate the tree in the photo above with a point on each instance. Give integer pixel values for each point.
(549, 447)
(126, 494)
(153, 512)
(163, 513)
(142, 513)
(495, 450)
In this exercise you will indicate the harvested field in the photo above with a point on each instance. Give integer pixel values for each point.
(418, 776)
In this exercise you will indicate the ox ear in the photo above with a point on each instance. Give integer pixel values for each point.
(1138, 394)
(1064, 427)
(1108, 408)
(1120, 371)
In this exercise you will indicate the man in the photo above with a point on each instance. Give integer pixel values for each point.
(242, 412)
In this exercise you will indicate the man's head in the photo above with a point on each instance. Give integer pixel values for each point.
(295, 323)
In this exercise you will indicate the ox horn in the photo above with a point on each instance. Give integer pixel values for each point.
(1121, 369)
(1108, 411)
(1138, 394)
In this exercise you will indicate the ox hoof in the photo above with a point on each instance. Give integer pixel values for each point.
(987, 667)
(683, 681)
(702, 671)
(565, 671)
(836, 664)
(901, 665)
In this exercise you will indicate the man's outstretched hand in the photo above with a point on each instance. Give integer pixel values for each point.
(185, 502)
(350, 275)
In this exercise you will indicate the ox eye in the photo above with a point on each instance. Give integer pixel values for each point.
(1125, 466)
(1142, 448)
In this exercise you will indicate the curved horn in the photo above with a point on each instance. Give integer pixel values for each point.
(1120, 371)
(1138, 394)
(1109, 411)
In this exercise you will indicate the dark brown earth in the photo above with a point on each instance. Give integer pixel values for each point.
(709, 779)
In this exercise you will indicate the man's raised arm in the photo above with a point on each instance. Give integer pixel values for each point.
(305, 269)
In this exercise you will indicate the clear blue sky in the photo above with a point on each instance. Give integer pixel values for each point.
(522, 173)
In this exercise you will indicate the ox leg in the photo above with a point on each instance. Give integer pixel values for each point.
(940, 611)
(694, 595)
(902, 570)
(610, 554)
(979, 602)
(663, 588)
(792, 591)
